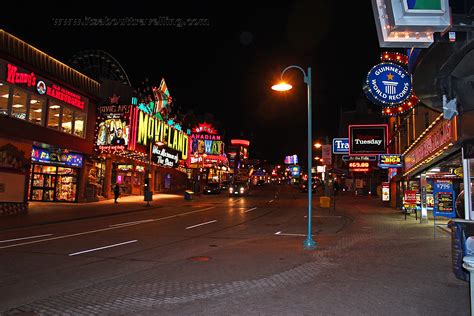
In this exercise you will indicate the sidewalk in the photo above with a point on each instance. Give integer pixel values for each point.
(40, 213)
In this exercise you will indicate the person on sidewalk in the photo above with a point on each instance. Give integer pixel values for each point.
(116, 192)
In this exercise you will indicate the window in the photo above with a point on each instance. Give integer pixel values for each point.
(19, 104)
(4, 94)
(79, 123)
(54, 112)
(36, 112)
(67, 120)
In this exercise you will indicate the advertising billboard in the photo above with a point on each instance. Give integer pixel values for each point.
(368, 139)
(291, 160)
(113, 127)
(390, 161)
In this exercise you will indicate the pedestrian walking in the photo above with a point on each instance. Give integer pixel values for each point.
(116, 192)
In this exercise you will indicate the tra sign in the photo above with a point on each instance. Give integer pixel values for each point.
(340, 146)
(368, 139)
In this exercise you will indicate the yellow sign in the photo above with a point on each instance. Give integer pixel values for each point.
(152, 129)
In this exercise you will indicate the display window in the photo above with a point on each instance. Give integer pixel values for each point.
(4, 96)
(36, 110)
(19, 104)
(53, 183)
(54, 114)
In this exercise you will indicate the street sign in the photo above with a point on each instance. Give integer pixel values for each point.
(340, 146)
(326, 154)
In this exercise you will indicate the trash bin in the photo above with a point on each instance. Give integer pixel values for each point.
(325, 201)
(188, 195)
(461, 230)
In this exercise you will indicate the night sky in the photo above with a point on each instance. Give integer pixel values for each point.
(227, 68)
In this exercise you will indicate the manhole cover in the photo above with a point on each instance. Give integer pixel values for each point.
(199, 258)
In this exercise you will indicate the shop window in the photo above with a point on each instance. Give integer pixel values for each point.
(36, 112)
(67, 120)
(19, 104)
(79, 124)
(54, 113)
(4, 94)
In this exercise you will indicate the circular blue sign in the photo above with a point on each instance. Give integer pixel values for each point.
(389, 84)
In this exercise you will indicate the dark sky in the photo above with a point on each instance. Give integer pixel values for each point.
(227, 68)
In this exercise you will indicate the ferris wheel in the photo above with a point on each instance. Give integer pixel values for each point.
(99, 64)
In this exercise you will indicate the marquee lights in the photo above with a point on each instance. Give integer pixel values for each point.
(394, 57)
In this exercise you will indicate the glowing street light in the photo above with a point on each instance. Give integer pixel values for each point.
(309, 243)
(318, 145)
(282, 86)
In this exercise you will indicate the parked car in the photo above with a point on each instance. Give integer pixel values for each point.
(224, 185)
(239, 188)
(212, 188)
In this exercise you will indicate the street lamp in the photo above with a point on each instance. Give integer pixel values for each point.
(318, 145)
(309, 243)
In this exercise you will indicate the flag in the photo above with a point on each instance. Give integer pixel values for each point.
(162, 97)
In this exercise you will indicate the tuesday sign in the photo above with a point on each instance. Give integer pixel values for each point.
(368, 139)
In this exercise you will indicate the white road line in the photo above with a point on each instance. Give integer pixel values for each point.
(23, 238)
(284, 234)
(189, 227)
(101, 230)
(250, 210)
(100, 248)
(131, 223)
(271, 201)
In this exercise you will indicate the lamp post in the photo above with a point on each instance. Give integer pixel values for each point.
(309, 243)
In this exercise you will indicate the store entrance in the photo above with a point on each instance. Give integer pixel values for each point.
(52, 183)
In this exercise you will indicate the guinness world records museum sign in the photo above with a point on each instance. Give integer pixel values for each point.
(389, 84)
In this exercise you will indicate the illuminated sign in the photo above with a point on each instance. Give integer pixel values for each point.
(295, 171)
(165, 157)
(410, 197)
(113, 127)
(356, 166)
(204, 128)
(385, 191)
(241, 142)
(13, 76)
(388, 84)
(291, 160)
(444, 201)
(150, 128)
(19, 76)
(368, 139)
(205, 140)
(347, 158)
(124, 167)
(340, 146)
(390, 161)
(58, 157)
(437, 137)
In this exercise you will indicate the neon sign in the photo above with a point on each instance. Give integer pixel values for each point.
(59, 157)
(390, 161)
(204, 128)
(13, 76)
(152, 129)
(52, 90)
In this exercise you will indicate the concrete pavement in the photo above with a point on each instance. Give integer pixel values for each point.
(378, 264)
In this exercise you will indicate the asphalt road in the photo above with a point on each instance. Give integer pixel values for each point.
(230, 255)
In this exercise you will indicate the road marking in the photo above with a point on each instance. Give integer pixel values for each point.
(284, 234)
(271, 201)
(101, 230)
(131, 223)
(250, 210)
(100, 248)
(189, 227)
(23, 238)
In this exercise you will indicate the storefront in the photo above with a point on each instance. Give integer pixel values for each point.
(207, 157)
(54, 175)
(433, 169)
(47, 111)
(138, 147)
